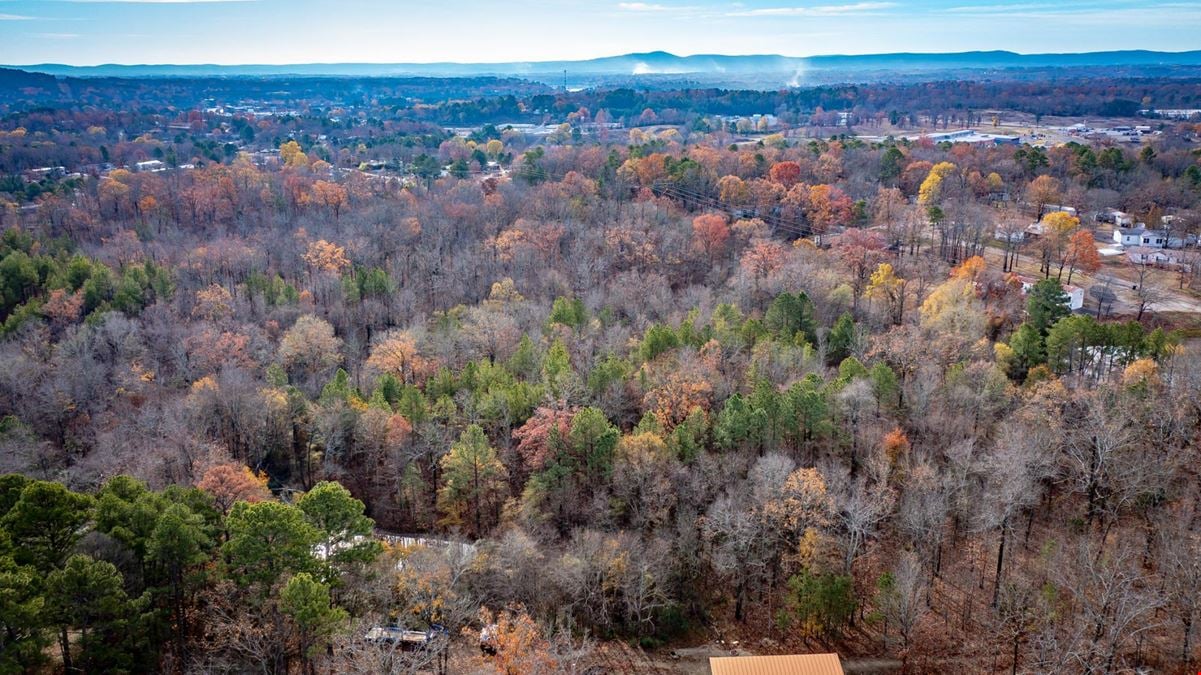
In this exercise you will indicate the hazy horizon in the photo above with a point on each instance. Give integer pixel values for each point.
(275, 32)
(581, 59)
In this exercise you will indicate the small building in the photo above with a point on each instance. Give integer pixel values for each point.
(1115, 217)
(1176, 231)
(792, 664)
(45, 172)
(434, 642)
(406, 639)
(1147, 255)
(1052, 208)
(1075, 293)
(1178, 241)
(1011, 236)
(1153, 238)
(150, 165)
(1075, 296)
(1128, 236)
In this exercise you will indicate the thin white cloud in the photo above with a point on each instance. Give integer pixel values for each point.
(1166, 16)
(1062, 5)
(1087, 9)
(992, 9)
(818, 10)
(55, 36)
(651, 7)
(15, 17)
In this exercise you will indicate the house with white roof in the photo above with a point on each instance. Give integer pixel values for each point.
(1139, 235)
(1127, 236)
(1154, 238)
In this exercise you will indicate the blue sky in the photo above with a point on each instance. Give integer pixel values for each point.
(86, 32)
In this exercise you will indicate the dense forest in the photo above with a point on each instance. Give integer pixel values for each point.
(481, 100)
(613, 391)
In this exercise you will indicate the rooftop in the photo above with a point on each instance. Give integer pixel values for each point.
(793, 664)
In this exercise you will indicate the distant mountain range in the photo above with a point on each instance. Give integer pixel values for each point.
(703, 66)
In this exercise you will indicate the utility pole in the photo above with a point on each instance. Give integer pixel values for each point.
(564, 80)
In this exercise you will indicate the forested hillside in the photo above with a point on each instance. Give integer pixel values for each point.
(644, 388)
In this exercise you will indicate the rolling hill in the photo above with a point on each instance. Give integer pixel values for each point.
(651, 64)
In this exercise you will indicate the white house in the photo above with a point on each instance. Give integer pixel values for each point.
(1128, 236)
(1143, 255)
(1153, 238)
(1116, 217)
(1139, 235)
(1177, 241)
(1176, 236)
(1075, 293)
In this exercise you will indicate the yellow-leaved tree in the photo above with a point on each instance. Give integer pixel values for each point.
(931, 190)
(1058, 228)
(325, 256)
(953, 315)
(291, 155)
(885, 285)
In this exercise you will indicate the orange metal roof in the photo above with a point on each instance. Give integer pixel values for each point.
(795, 664)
